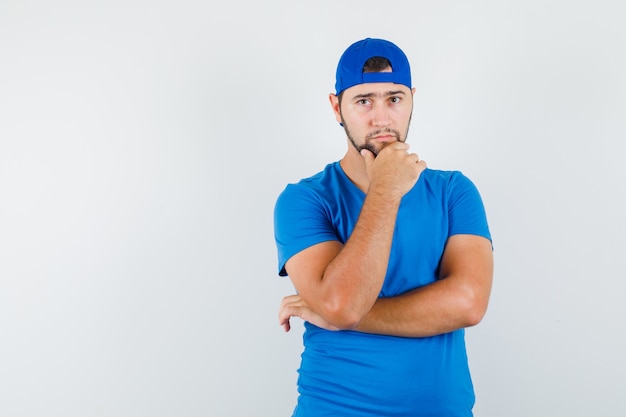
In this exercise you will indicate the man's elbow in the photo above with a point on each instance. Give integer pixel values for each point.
(474, 308)
(346, 323)
(342, 316)
(474, 316)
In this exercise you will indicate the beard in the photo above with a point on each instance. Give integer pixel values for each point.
(368, 142)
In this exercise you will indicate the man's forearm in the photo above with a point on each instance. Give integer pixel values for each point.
(353, 280)
(458, 299)
(428, 311)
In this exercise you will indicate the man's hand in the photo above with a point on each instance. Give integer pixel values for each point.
(394, 171)
(295, 306)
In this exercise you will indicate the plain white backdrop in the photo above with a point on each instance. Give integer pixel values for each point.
(143, 145)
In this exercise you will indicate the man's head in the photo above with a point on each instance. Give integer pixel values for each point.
(374, 98)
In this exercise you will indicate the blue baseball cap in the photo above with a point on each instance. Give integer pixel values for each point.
(350, 67)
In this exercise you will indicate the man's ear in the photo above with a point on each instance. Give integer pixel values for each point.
(334, 103)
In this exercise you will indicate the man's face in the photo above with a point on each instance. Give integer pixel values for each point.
(375, 114)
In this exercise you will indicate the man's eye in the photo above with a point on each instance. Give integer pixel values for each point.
(395, 99)
(363, 101)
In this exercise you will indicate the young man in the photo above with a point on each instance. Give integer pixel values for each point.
(390, 260)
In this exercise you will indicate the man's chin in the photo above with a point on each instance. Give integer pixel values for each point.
(375, 148)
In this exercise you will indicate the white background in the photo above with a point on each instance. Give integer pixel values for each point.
(143, 145)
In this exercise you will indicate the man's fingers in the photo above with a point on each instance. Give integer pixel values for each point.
(283, 319)
(289, 307)
(286, 325)
(368, 156)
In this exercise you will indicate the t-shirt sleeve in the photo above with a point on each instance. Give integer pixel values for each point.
(466, 208)
(300, 220)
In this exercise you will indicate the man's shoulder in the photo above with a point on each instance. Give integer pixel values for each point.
(318, 181)
(444, 181)
(443, 177)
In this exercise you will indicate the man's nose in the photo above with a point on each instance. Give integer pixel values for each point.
(380, 116)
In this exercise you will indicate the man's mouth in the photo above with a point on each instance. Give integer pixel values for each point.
(387, 135)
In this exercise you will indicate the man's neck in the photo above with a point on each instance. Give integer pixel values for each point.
(353, 165)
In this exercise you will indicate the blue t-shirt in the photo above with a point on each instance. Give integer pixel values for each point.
(349, 373)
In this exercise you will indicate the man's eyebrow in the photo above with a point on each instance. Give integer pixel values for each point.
(386, 94)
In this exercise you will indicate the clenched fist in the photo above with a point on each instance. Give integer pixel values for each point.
(394, 171)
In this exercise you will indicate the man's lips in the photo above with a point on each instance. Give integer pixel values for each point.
(384, 138)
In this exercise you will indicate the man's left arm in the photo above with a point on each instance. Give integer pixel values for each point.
(457, 300)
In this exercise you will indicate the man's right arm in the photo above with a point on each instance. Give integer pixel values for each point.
(341, 283)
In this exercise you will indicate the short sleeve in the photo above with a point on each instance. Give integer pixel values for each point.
(301, 220)
(466, 209)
